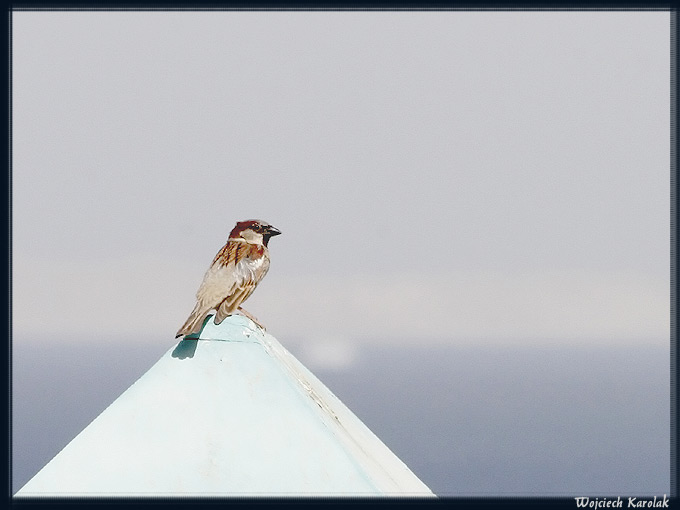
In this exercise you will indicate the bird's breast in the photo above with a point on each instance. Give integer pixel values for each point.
(251, 269)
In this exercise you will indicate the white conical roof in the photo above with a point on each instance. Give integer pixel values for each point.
(229, 413)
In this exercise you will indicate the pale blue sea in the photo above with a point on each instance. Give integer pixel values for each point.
(467, 421)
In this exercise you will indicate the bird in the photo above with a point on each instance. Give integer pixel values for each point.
(233, 275)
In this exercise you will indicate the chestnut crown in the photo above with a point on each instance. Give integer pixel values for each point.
(258, 229)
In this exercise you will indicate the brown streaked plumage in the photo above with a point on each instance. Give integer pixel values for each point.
(233, 275)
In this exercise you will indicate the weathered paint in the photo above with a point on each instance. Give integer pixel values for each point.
(229, 413)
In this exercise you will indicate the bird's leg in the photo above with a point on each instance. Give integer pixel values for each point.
(252, 318)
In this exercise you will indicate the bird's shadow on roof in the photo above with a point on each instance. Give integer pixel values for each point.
(185, 349)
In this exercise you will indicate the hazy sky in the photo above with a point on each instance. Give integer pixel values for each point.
(437, 176)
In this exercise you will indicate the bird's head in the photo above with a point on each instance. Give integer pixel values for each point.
(254, 231)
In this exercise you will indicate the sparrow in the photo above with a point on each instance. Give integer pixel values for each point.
(233, 275)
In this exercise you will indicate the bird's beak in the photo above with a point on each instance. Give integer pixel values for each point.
(273, 231)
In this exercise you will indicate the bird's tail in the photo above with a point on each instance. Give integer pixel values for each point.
(194, 322)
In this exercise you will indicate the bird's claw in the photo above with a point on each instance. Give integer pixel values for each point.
(252, 318)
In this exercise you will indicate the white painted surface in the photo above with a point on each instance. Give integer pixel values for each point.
(231, 413)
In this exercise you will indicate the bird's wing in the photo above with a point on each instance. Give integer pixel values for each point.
(219, 282)
(220, 278)
(244, 270)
